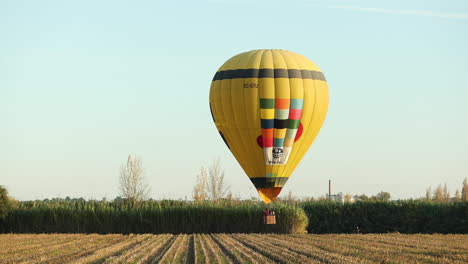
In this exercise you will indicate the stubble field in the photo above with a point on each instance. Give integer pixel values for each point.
(233, 248)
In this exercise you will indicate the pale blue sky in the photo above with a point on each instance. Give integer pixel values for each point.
(85, 83)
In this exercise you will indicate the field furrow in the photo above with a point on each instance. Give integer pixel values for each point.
(411, 249)
(180, 253)
(190, 252)
(197, 254)
(230, 252)
(140, 252)
(314, 255)
(371, 249)
(271, 251)
(157, 250)
(247, 254)
(168, 255)
(420, 242)
(23, 242)
(114, 249)
(327, 250)
(33, 245)
(131, 252)
(215, 254)
(57, 250)
(339, 246)
(200, 250)
(88, 249)
(233, 248)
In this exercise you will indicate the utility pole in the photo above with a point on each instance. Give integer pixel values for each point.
(329, 189)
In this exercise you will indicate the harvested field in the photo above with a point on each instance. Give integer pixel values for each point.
(233, 248)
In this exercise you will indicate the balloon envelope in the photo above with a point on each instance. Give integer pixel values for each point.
(268, 106)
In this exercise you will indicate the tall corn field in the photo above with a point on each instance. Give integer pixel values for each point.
(233, 216)
(150, 217)
(407, 216)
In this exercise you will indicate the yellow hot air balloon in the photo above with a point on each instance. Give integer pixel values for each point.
(268, 106)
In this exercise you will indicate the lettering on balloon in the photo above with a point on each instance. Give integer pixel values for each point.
(278, 157)
(250, 85)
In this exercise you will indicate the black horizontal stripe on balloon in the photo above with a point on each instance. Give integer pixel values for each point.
(281, 123)
(269, 182)
(268, 73)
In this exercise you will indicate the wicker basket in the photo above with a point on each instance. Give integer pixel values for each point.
(269, 219)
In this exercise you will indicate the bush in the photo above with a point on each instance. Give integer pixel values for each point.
(6, 204)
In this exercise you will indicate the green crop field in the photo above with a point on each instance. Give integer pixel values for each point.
(233, 248)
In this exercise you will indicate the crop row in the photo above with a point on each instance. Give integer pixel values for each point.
(233, 248)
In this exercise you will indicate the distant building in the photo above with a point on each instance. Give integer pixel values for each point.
(340, 197)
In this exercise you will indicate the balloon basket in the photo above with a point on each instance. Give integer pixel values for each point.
(269, 219)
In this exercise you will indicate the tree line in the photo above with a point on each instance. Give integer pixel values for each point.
(442, 194)
(210, 185)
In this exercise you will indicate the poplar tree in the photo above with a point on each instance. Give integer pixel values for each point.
(199, 190)
(216, 187)
(132, 182)
(439, 193)
(456, 197)
(464, 194)
(446, 193)
(429, 193)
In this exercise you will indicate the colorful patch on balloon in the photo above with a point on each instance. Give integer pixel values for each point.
(299, 132)
(300, 129)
